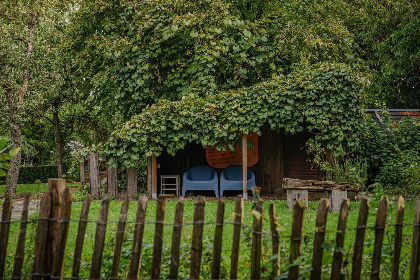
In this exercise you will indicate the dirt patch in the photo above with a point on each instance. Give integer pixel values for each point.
(17, 205)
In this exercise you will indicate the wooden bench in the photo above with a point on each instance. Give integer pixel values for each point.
(298, 189)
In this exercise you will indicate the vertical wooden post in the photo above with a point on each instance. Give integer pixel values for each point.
(94, 178)
(257, 241)
(197, 238)
(360, 237)
(398, 238)
(154, 178)
(131, 182)
(321, 221)
(176, 239)
(138, 238)
(275, 241)
(112, 181)
(158, 239)
(82, 172)
(149, 176)
(20, 248)
(119, 239)
(245, 166)
(415, 253)
(4, 233)
(80, 237)
(379, 236)
(296, 238)
(236, 239)
(341, 230)
(218, 235)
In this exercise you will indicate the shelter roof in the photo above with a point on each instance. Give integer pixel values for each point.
(396, 114)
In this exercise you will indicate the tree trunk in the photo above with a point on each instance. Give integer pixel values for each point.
(58, 146)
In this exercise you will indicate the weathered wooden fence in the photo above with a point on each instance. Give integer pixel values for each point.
(54, 219)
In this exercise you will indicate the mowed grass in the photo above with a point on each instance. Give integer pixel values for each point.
(285, 225)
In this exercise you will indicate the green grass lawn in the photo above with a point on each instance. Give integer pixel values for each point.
(284, 219)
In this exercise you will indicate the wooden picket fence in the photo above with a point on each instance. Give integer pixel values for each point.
(54, 219)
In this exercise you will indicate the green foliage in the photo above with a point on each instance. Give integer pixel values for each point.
(5, 157)
(30, 174)
(350, 170)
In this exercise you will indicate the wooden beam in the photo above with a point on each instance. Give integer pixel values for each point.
(154, 178)
(245, 166)
(149, 175)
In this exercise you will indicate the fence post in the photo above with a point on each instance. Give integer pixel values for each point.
(94, 178)
(138, 237)
(20, 248)
(80, 237)
(256, 241)
(95, 271)
(379, 236)
(176, 239)
(236, 239)
(399, 220)
(131, 182)
(341, 230)
(275, 241)
(321, 221)
(296, 239)
(415, 253)
(58, 263)
(218, 235)
(360, 237)
(82, 172)
(112, 181)
(4, 232)
(158, 240)
(119, 239)
(197, 238)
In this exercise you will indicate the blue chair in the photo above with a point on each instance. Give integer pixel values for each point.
(198, 178)
(231, 179)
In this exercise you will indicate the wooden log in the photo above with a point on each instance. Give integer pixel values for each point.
(57, 268)
(320, 224)
(399, 220)
(20, 247)
(4, 233)
(236, 239)
(95, 271)
(158, 239)
(197, 238)
(245, 166)
(41, 236)
(112, 181)
(94, 177)
(341, 230)
(80, 237)
(379, 236)
(154, 177)
(294, 195)
(218, 236)
(257, 241)
(119, 239)
(149, 175)
(336, 199)
(360, 238)
(296, 238)
(138, 238)
(415, 252)
(275, 241)
(82, 173)
(176, 239)
(131, 182)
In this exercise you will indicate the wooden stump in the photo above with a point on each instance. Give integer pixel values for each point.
(336, 198)
(94, 179)
(131, 182)
(294, 195)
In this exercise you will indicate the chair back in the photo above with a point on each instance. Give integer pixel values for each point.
(233, 173)
(201, 173)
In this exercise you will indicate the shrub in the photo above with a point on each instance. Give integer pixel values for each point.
(29, 174)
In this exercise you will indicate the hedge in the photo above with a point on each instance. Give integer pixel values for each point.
(29, 174)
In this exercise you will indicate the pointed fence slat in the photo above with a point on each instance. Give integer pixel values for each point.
(218, 235)
(57, 268)
(41, 236)
(4, 232)
(415, 253)
(360, 238)
(275, 241)
(321, 221)
(20, 248)
(296, 239)
(176, 239)
(379, 237)
(339, 239)
(399, 220)
(138, 238)
(119, 238)
(95, 272)
(158, 240)
(257, 241)
(236, 239)
(80, 237)
(197, 238)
